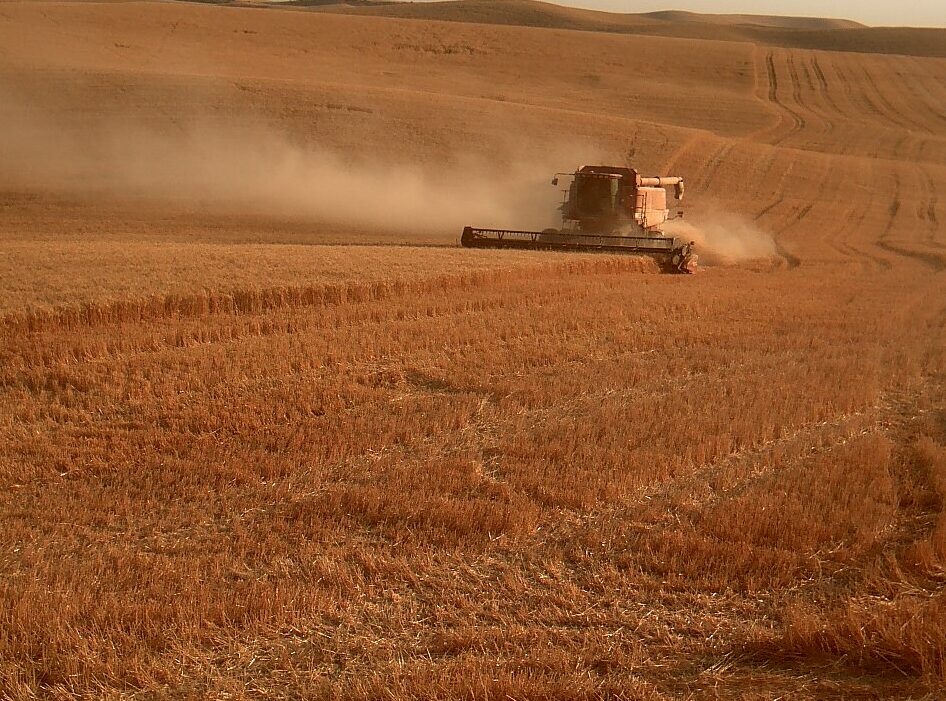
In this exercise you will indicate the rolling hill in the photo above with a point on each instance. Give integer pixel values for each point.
(788, 32)
(268, 431)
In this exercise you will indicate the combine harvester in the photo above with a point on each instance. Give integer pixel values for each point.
(606, 208)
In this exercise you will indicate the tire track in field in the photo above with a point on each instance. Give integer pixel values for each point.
(791, 260)
(855, 224)
(905, 119)
(888, 117)
(866, 114)
(771, 206)
(808, 67)
(863, 108)
(780, 187)
(881, 106)
(703, 378)
(934, 104)
(855, 113)
(930, 211)
(489, 432)
(770, 158)
(836, 230)
(903, 97)
(825, 90)
(785, 114)
(692, 142)
(921, 93)
(823, 96)
(715, 163)
(863, 96)
(846, 427)
(928, 260)
(719, 481)
(853, 217)
(795, 216)
(798, 122)
(798, 91)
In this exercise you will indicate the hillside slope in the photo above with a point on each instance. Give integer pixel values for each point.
(788, 32)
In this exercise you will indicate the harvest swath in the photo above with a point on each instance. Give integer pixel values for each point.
(239, 460)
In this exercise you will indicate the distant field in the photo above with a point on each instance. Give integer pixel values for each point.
(789, 32)
(266, 431)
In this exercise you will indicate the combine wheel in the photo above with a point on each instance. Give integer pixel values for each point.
(684, 259)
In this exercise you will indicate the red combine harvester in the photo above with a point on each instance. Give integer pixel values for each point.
(606, 208)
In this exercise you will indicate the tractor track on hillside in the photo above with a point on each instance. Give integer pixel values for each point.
(769, 208)
(791, 260)
(692, 141)
(798, 92)
(896, 115)
(853, 216)
(846, 90)
(835, 230)
(825, 89)
(821, 88)
(918, 92)
(799, 121)
(867, 113)
(928, 260)
(930, 213)
(785, 114)
(884, 115)
(855, 223)
(715, 163)
(936, 105)
(783, 176)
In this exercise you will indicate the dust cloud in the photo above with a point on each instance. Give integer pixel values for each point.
(250, 168)
(257, 170)
(723, 238)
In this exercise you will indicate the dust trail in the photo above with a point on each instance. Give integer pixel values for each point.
(255, 169)
(724, 238)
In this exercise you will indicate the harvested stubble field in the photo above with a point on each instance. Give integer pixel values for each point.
(240, 460)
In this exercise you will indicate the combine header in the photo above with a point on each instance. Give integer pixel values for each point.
(609, 209)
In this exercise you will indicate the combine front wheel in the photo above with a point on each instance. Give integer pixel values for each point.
(685, 260)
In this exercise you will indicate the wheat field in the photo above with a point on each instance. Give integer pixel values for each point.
(243, 457)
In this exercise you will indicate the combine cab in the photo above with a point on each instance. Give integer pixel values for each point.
(605, 209)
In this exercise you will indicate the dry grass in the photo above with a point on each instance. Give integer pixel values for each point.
(236, 469)
(107, 281)
(894, 622)
(410, 490)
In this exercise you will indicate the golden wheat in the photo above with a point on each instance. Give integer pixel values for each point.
(234, 464)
